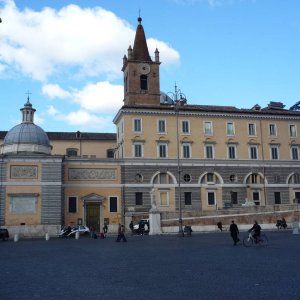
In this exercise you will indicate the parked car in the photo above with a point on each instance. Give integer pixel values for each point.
(4, 235)
(139, 228)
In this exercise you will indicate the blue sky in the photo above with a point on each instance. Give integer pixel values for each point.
(68, 55)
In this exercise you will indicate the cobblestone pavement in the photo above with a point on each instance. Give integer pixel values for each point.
(204, 266)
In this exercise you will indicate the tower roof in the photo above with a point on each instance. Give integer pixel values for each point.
(140, 48)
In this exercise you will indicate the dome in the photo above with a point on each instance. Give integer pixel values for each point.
(26, 133)
(26, 137)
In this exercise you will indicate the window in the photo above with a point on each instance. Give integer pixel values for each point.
(186, 150)
(138, 198)
(231, 151)
(72, 204)
(256, 198)
(274, 152)
(254, 178)
(161, 126)
(72, 152)
(234, 197)
(210, 177)
(113, 204)
(277, 198)
(295, 153)
(211, 198)
(208, 130)
(137, 125)
(138, 150)
(233, 178)
(293, 130)
(144, 82)
(230, 128)
(253, 152)
(187, 198)
(162, 150)
(110, 153)
(252, 129)
(185, 128)
(209, 151)
(187, 178)
(272, 130)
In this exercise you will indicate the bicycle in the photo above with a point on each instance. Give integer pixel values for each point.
(249, 240)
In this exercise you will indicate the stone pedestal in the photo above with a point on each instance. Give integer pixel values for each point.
(154, 220)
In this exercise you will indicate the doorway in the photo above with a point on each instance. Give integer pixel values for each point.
(93, 216)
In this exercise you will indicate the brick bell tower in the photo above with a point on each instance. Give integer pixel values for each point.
(141, 74)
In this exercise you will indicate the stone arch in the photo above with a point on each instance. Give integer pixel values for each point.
(219, 177)
(169, 174)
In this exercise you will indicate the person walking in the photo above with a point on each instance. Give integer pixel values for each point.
(121, 234)
(131, 226)
(234, 232)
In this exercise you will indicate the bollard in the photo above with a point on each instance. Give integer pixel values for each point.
(77, 235)
(47, 236)
(16, 237)
(295, 228)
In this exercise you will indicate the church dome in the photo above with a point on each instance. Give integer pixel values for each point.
(26, 137)
(26, 133)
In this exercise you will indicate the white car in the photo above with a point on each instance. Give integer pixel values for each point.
(83, 230)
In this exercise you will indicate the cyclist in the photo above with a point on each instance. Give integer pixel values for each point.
(256, 231)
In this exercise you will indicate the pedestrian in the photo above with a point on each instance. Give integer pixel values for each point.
(234, 232)
(146, 228)
(92, 231)
(131, 226)
(220, 226)
(105, 229)
(121, 235)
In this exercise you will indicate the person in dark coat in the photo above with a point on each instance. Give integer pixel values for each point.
(121, 234)
(234, 232)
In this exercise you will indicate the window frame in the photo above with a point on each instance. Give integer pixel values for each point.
(139, 198)
(185, 126)
(137, 125)
(292, 132)
(183, 152)
(161, 145)
(134, 152)
(110, 204)
(159, 122)
(187, 198)
(233, 146)
(214, 196)
(252, 132)
(274, 147)
(228, 131)
(206, 147)
(208, 132)
(253, 147)
(76, 204)
(272, 130)
(293, 149)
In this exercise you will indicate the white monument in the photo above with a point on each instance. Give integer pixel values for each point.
(154, 216)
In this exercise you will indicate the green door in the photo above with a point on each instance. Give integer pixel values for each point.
(93, 216)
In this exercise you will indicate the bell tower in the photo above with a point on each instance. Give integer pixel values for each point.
(141, 73)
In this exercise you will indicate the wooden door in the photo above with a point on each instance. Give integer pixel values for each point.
(93, 216)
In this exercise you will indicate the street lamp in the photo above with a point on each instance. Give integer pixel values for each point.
(179, 99)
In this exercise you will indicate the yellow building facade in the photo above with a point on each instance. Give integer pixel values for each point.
(177, 158)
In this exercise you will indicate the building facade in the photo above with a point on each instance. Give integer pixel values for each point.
(180, 158)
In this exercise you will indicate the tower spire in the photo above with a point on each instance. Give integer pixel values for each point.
(140, 48)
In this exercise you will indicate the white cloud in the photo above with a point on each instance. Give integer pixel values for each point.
(101, 97)
(83, 119)
(90, 41)
(55, 91)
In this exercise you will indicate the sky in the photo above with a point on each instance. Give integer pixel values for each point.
(67, 55)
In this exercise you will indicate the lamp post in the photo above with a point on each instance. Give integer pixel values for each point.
(178, 100)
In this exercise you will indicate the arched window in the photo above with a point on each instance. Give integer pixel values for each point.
(163, 178)
(72, 152)
(144, 82)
